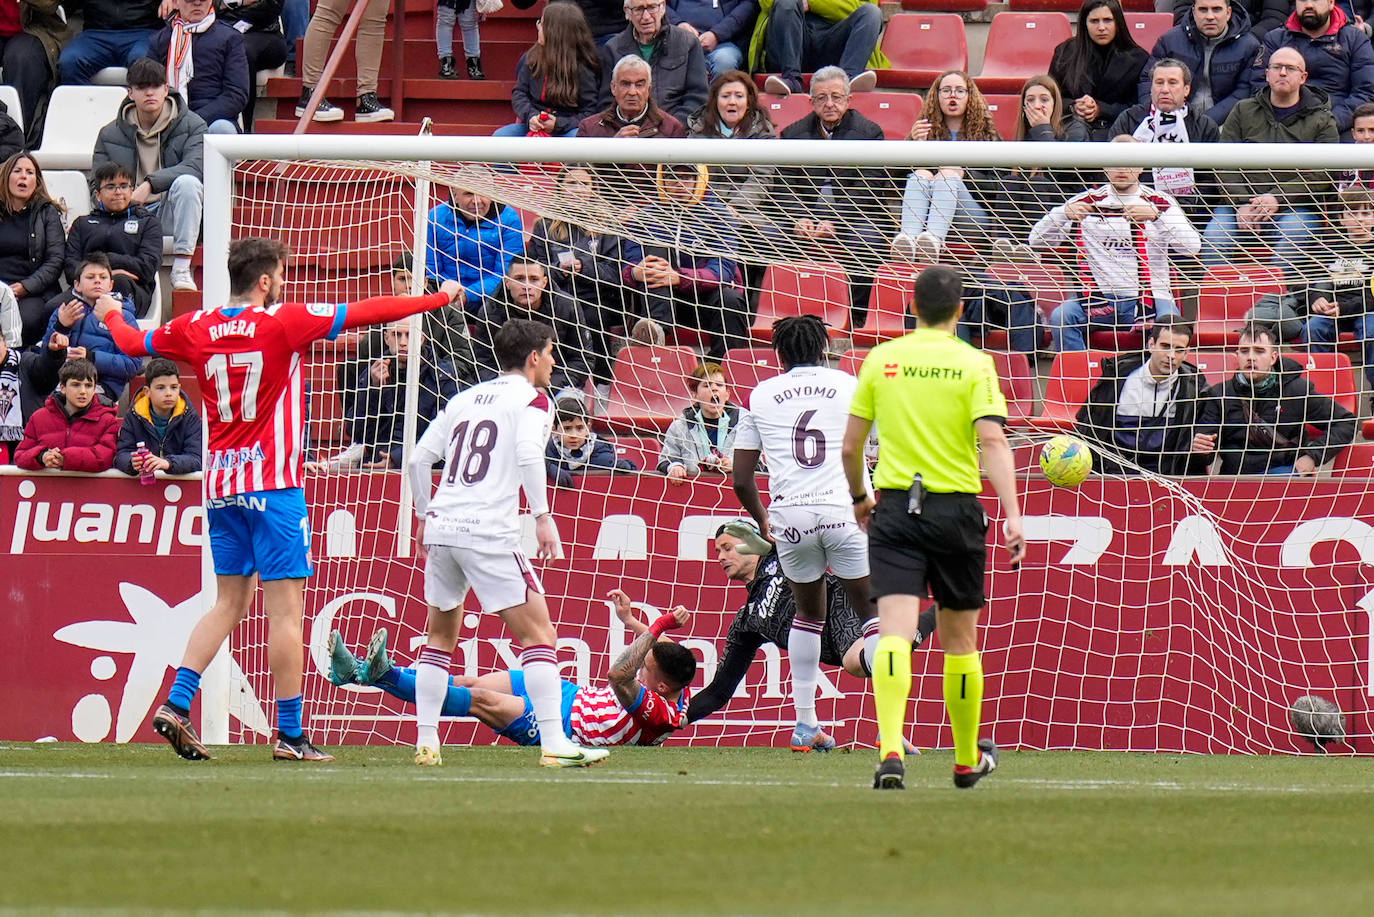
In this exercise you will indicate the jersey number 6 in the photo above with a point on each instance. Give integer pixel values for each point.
(808, 444)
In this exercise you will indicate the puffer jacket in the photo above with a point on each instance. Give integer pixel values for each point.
(183, 145)
(47, 244)
(115, 368)
(1227, 66)
(476, 253)
(180, 445)
(86, 438)
(1340, 60)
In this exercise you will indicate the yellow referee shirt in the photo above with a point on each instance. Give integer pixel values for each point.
(924, 391)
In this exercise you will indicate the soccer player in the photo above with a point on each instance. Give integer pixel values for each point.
(644, 699)
(247, 356)
(937, 404)
(491, 439)
(798, 420)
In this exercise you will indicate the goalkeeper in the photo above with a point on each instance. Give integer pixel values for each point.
(644, 699)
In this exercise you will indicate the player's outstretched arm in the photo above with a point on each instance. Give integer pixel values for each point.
(127, 338)
(852, 456)
(381, 309)
(734, 665)
(624, 669)
(747, 488)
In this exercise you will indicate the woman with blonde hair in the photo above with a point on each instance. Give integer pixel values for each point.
(954, 110)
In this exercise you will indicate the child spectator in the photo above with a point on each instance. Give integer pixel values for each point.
(445, 328)
(1338, 294)
(463, 13)
(128, 234)
(11, 411)
(74, 430)
(73, 318)
(649, 333)
(164, 421)
(558, 81)
(703, 438)
(575, 449)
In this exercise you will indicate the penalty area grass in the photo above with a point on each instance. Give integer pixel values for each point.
(678, 830)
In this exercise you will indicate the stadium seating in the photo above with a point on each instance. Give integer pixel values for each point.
(10, 96)
(1020, 46)
(643, 451)
(1071, 6)
(851, 360)
(1331, 375)
(1216, 365)
(784, 110)
(946, 6)
(1146, 28)
(648, 388)
(803, 289)
(921, 46)
(890, 304)
(75, 116)
(1355, 460)
(1227, 292)
(894, 112)
(71, 190)
(1017, 381)
(1003, 107)
(746, 367)
(1071, 378)
(1045, 280)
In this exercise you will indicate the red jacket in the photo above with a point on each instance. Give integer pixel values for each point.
(87, 440)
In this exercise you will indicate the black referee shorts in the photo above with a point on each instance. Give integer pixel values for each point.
(943, 550)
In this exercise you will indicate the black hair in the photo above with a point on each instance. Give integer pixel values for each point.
(675, 661)
(146, 72)
(109, 171)
(516, 340)
(1077, 60)
(250, 258)
(80, 370)
(525, 259)
(99, 259)
(1366, 110)
(939, 290)
(158, 367)
(1174, 324)
(800, 340)
(567, 410)
(1256, 330)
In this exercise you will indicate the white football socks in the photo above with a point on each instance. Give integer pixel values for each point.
(431, 686)
(545, 690)
(804, 655)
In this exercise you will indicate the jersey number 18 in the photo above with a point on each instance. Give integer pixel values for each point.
(475, 465)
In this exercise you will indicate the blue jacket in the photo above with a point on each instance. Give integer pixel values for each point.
(114, 367)
(728, 20)
(595, 455)
(219, 89)
(1228, 69)
(476, 254)
(1341, 61)
(180, 445)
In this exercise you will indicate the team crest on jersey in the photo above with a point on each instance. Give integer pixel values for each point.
(320, 309)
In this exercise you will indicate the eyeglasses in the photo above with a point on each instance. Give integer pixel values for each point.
(824, 97)
(1286, 68)
(645, 10)
(122, 186)
(957, 91)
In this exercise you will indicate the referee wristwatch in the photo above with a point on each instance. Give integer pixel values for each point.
(859, 499)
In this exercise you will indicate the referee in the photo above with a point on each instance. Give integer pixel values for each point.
(937, 403)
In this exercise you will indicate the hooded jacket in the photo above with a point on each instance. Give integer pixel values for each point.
(476, 253)
(596, 454)
(115, 368)
(1269, 429)
(677, 65)
(1340, 61)
(180, 445)
(1254, 120)
(529, 98)
(182, 144)
(131, 239)
(1227, 67)
(86, 438)
(1097, 420)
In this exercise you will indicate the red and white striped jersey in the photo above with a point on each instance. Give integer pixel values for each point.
(598, 717)
(248, 361)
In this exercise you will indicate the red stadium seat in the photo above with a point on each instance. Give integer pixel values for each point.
(746, 367)
(1216, 365)
(1045, 280)
(1331, 375)
(945, 6)
(1355, 461)
(1071, 7)
(1017, 381)
(803, 289)
(1003, 107)
(1019, 46)
(852, 360)
(894, 112)
(1071, 378)
(1226, 294)
(649, 388)
(783, 110)
(921, 46)
(890, 304)
(643, 451)
(1146, 28)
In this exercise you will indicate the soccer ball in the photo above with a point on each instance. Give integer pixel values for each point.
(1066, 461)
(1317, 720)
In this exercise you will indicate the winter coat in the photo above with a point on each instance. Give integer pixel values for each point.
(46, 21)
(686, 442)
(262, 17)
(861, 195)
(87, 438)
(656, 123)
(180, 445)
(1201, 129)
(1341, 61)
(696, 240)
(678, 66)
(219, 89)
(1263, 14)
(596, 454)
(1255, 434)
(1227, 69)
(476, 253)
(47, 244)
(728, 20)
(1114, 87)
(119, 15)
(183, 145)
(131, 239)
(604, 17)
(1097, 420)
(599, 280)
(571, 344)
(1253, 120)
(376, 413)
(745, 189)
(529, 99)
(11, 136)
(114, 367)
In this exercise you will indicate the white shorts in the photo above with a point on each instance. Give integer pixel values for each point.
(812, 539)
(501, 579)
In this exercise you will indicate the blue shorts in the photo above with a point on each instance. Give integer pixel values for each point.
(266, 532)
(525, 729)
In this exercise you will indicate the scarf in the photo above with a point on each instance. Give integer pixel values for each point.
(576, 459)
(11, 417)
(1168, 127)
(180, 69)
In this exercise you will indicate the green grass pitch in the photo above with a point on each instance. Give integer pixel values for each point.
(697, 831)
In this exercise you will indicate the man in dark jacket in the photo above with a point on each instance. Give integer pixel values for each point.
(115, 34)
(1263, 15)
(1267, 418)
(1214, 40)
(215, 80)
(1339, 56)
(606, 18)
(162, 144)
(1339, 293)
(525, 293)
(679, 81)
(1144, 408)
(163, 419)
(721, 27)
(633, 111)
(128, 235)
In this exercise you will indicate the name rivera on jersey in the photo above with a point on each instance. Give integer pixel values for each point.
(234, 327)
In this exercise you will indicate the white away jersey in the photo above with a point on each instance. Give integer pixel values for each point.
(798, 420)
(483, 435)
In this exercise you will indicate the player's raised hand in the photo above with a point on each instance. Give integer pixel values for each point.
(620, 602)
(454, 291)
(546, 531)
(681, 615)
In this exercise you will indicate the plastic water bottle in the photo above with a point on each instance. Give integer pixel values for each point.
(145, 474)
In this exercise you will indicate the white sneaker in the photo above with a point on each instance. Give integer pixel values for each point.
(573, 756)
(904, 247)
(776, 85)
(182, 280)
(864, 82)
(603, 398)
(927, 248)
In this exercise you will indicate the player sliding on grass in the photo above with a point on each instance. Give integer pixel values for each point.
(491, 439)
(644, 698)
(247, 356)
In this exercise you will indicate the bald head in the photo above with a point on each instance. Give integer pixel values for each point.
(1286, 74)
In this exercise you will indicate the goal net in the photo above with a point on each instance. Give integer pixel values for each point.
(1154, 611)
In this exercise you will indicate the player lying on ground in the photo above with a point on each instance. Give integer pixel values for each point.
(643, 700)
(247, 356)
(766, 617)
